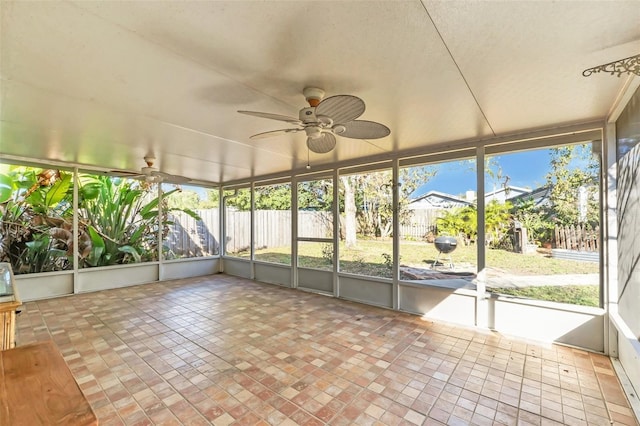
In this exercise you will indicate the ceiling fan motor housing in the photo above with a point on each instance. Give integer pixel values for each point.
(308, 115)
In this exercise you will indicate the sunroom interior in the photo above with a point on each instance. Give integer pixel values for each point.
(499, 113)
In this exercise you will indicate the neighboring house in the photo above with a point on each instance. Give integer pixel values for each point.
(435, 200)
(427, 207)
(442, 200)
(505, 194)
(539, 195)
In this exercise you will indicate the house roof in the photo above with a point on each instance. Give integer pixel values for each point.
(511, 191)
(443, 196)
(539, 195)
(101, 84)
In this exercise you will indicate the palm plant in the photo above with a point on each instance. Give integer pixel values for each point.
(497, 221)
(459, 222)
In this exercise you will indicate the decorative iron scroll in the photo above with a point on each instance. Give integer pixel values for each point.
(617, 68)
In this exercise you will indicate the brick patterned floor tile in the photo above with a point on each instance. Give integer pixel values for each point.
(224, 350)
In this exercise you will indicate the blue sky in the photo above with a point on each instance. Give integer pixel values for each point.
(524, 169)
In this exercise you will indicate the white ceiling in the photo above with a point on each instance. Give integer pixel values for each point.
(105, 83)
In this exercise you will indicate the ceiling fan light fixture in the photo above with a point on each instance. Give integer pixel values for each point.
(323, 144)
(313, 132)
(339, 129)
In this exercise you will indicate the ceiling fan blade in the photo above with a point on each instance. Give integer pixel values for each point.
(341, 108)
(121, 173)
(168, 178)
(273, 133)
(270, 116)
(363, 129)
(322, 144)
(177, 180)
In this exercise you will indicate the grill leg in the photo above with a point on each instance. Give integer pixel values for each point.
(448, 258)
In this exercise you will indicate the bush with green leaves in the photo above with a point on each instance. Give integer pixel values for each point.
(121, 218)
(462, 222)
(536, 219)
(35, 219)
(118, 220)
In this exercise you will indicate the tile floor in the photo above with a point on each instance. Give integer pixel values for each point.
(225, 350)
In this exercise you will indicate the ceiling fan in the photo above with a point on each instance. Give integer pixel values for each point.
(325, 118)
(151, 174)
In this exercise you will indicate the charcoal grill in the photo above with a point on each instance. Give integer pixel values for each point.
(445, 246)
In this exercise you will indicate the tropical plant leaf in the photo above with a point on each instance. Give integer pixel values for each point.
(90, 190)
(132, 251)
(54, 252)
(6, 188)
(189, 212)
(36, 199)
(146, 215)
(58, 191)
(36, 245)
(149, 206)
(97, 247)
(140, 230)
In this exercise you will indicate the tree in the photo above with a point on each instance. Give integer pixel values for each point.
(316, 195)
(411, 178)
(184, 199)
(273, 197)
(573, 167)
(349, 184)
(212, 200)
(368, 200)
(190, 199)
(269, 197)
(536, 219)
(240, 199)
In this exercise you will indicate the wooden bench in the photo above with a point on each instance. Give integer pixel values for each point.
(37, 388)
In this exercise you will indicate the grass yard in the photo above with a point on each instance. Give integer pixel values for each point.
(370, 255)
(373, 258)
(586, 295)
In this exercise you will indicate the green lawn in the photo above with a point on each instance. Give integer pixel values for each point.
(371, 254)
(372, 258)
(586, 295)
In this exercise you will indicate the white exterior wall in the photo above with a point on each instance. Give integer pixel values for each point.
(626, 321)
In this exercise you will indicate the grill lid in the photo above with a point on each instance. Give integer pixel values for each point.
(445, 244)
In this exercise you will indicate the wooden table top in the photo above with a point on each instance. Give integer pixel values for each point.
(37, 388)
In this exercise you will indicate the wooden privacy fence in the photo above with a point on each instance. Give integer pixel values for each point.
(577, 237)
(191, 238)
(194, 238)
(422, 224)
(416, 231)
(273, 228)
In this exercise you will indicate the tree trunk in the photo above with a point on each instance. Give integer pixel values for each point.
(349, 211)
